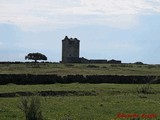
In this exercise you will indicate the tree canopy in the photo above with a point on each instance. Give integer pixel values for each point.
(35, 57)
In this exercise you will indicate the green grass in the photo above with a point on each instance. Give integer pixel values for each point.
(111, 99)
(82, 69)
(102, 88)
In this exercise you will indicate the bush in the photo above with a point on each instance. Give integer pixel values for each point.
(145, 89)
(31, 107)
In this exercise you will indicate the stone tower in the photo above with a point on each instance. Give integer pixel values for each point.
(70, 50)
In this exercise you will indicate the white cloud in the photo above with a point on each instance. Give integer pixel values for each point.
(29, 14)
(116, 7)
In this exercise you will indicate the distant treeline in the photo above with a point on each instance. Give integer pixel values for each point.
(29, 79)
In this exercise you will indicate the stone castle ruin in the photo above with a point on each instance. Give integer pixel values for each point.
(70, 49)
(70, 53)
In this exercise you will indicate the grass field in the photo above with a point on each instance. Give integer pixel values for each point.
(110, 100)
(81, 69)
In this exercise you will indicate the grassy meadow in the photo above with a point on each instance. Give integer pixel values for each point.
(110, 99)
(80, 69)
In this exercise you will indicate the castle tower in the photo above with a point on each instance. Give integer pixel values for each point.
(70, 50)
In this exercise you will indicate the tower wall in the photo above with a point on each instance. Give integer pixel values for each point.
(70, 49)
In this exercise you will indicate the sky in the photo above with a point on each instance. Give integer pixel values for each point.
(126, 30)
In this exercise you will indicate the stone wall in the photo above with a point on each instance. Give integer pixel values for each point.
(28, 79)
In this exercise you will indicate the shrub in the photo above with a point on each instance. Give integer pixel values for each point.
(145, 89)
(31, 107)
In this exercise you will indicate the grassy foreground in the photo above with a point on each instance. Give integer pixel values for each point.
(81, 69)
(110, 100)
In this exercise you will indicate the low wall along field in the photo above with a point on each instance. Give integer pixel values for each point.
(50, 73)
(24, 79)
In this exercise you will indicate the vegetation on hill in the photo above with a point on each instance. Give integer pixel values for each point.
(80, 69)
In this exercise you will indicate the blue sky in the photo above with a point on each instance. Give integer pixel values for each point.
(127, 30)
